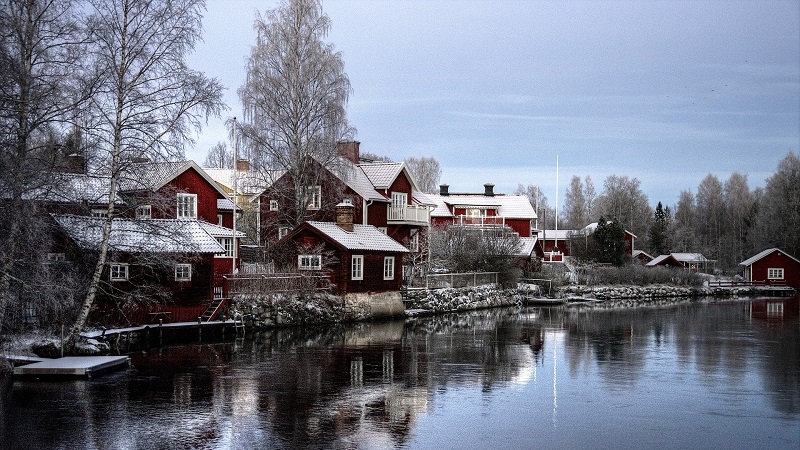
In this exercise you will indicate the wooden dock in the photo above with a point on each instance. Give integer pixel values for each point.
(73, 366)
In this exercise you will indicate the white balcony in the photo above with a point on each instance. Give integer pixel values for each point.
(420, 215)
(481, 221)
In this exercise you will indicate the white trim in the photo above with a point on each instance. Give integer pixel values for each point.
(144, 212)
(179, 268)
(357, 267)
(122, 272)
(309, 262)
(186, 206)
(775, 273)
(228, 244)
(388, 267)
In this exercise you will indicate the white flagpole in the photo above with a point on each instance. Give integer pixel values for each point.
(235, 201)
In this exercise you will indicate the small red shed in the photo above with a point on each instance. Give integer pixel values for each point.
(772, 267)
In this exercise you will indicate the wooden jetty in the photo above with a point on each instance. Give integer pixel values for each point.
(73, 366)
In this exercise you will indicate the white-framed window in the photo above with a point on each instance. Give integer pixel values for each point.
(227, 244)
(56, 257)
(283, 231)
(357, 267)
(144, 212)
(775, 273)
(99, 213)
(383, 230)
(414, 244)
(388, 267)
(118, 272)
(183, 272)
(313, 197)
(273, 205)
(309, 262)
(219, 219)
(187, 206)
(399, 199)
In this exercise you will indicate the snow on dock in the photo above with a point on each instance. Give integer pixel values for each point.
(72, 366)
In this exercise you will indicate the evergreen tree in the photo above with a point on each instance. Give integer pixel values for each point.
(610, 244)
(659, 231)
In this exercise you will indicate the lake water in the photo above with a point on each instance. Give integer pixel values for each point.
(694, 375)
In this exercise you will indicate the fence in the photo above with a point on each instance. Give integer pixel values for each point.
(455, 280)
(273, 283)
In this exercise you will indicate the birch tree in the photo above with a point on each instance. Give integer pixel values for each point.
(219, 157)
(294, 100)
(426, 172)
(149, 101)
(545, 213)
(779, 212)
(42, 87)
(624, 202)
(576, 216)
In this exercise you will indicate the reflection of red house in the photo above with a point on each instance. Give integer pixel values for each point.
(775, 309)
(772, 267)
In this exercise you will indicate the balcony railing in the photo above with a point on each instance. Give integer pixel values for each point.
(480, 220)
(412, 214)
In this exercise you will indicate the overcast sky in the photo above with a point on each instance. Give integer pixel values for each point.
(663, 91)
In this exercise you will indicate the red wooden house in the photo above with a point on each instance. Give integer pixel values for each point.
(554, 245)
(772, 267)
(184, 191)
(484, 210)
(153, 265)
(362, 258)
(382, 194)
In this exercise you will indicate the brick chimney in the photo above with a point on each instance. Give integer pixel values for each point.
(488, 190)
(242, 165)
(443, 190)
(344, 215)
(349, 150)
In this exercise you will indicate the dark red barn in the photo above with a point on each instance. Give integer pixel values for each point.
(772, 267)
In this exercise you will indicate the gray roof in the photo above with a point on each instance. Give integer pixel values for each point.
(71, 188)
(528, 244)
(383, 174)
(363, 237)
(754, 258)
(140, 236)
(225, 204)
(248, 182)
(218, 230)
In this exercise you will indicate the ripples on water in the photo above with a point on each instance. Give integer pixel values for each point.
(705, 374)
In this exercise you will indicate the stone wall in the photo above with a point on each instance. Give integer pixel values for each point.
(268, 311)
(461, 299)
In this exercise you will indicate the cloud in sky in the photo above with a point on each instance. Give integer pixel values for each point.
(664, 91)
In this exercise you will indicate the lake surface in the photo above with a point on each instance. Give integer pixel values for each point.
(694, 375)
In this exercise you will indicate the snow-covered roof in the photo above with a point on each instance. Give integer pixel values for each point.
(355, 178)
(363, 237)
(660, 259)
(74, 188)
(561, 235)
(689, 257)
(383, 174)
(749, 261)
(422, 198)
(153, 176)
(140, 236)
(218, 230)
(248, 182)
(528, 244)
(508, 206)
(637, 253)
(225, 204)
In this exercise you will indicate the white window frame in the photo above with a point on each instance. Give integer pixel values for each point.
(313, 197)
(388, 267)
(283, 231)
(56, 257)
(775, 273)
(183, 272)
(227, 244)
(186, 206)
(399, 199)
(102, 213)
(309, 262)
(273, 205)
(219, 219)
(357, 267)
(144, 212)
(775, 309)
(413, 245)
(118, 272)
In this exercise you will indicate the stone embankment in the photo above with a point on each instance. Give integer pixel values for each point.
(450, 299)
(625, 292)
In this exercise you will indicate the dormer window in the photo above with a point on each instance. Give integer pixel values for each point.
(187, 206)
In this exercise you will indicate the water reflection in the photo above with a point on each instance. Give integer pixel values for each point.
(591, 375)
